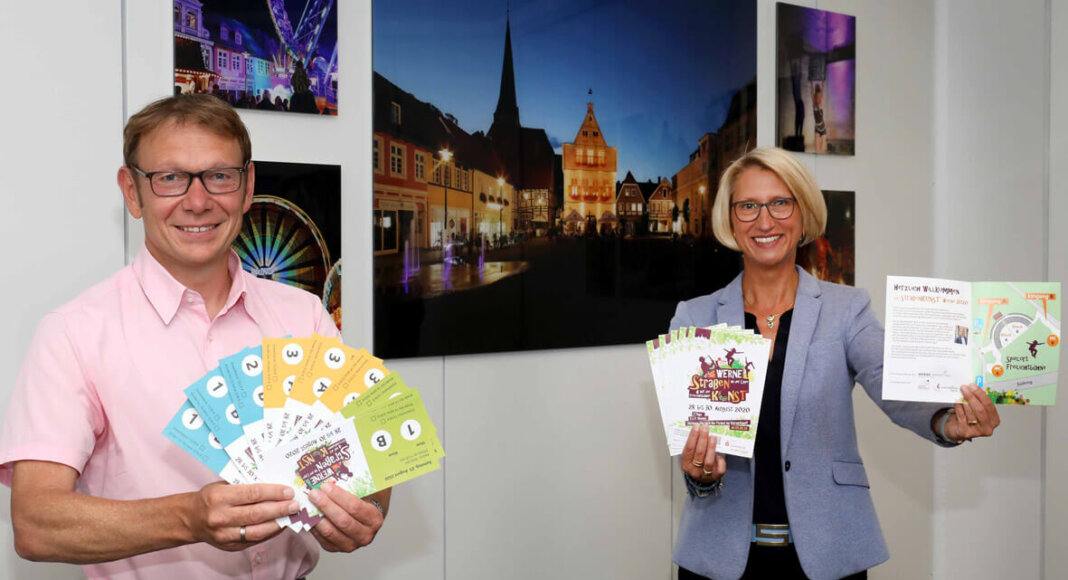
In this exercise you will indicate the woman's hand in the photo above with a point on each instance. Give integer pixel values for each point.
(699, 459)
(977, 416)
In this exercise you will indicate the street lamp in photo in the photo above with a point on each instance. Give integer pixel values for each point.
(500, 203)
(704, 205)
(446, 156)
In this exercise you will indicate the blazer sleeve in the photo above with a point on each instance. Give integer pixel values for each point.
(864, 351)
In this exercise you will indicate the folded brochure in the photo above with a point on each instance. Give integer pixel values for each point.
(941, 334)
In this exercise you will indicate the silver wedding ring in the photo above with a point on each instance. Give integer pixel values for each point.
(244, 540)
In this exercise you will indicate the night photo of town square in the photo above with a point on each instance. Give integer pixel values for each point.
(544, 171)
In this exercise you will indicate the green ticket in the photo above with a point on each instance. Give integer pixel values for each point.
(385, 389)
(398, 439)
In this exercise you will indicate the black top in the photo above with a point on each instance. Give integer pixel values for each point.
(769, 499)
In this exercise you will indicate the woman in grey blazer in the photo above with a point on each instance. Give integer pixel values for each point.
(801, 507)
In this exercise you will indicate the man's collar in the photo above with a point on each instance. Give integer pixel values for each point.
(165, 293)
(238, 286)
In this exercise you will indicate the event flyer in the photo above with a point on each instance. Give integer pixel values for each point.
(941, 334)
(710, 376)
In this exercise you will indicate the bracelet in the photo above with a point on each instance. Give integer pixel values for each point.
(377, 505)
(699, 489)
(941, 431)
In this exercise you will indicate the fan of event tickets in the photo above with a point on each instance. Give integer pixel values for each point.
(302, 411)
(710, 376)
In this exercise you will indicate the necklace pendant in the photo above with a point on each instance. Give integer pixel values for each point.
(771, 321)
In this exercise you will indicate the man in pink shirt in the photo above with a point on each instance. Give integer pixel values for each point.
(93, 479)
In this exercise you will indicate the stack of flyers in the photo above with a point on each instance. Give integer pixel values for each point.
(710, 376)
(302, 411)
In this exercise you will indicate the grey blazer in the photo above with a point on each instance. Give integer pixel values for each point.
(835, 342)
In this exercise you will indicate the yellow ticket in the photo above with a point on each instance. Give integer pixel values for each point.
(324, 356)
(365, 372)
(283, 360)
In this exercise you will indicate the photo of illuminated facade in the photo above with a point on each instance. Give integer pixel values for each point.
(544, 174)
(273, 55)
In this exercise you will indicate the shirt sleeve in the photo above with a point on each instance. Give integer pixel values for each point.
(54, 413)
(324, 323)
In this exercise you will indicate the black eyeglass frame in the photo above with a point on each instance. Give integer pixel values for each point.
(241, 171)
(760, 207)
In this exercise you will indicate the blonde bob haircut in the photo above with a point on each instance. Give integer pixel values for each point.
(797, 179)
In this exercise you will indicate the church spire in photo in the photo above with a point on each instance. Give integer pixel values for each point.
(507, 113)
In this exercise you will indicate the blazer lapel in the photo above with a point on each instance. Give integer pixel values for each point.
(731, 309)
(806, 313)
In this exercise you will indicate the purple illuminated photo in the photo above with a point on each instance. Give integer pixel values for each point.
(816, 63)
(272, 55)
(544, 172)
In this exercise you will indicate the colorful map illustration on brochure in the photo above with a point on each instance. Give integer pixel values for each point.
(941, 334)
(1016, 330)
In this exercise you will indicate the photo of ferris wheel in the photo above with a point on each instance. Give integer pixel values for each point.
(269, 55)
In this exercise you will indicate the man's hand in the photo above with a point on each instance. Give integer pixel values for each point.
(348, 522)
(54, 523)
(219, 511)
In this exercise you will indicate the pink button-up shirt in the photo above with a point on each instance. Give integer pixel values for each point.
(103, 376)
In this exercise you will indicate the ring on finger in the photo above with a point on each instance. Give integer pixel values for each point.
(244, 540)
(973, 422)
(697, 463)
(707, 472)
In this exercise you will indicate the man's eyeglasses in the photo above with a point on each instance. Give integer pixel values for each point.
(748, 211)
(218, 180)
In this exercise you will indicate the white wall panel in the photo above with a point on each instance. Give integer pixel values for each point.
(411, 544)
(556, 467)
(60, 144)
(1056, 424)
(891, 174)
(990, 220)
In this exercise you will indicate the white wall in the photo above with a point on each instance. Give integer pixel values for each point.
(555, 465)
(60, 145)
(1055, 504)
(891, 174)
(992, 92)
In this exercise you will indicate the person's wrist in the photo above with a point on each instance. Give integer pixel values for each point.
(377, 504)
(703, 489)
(940, 429)
(186, 512)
